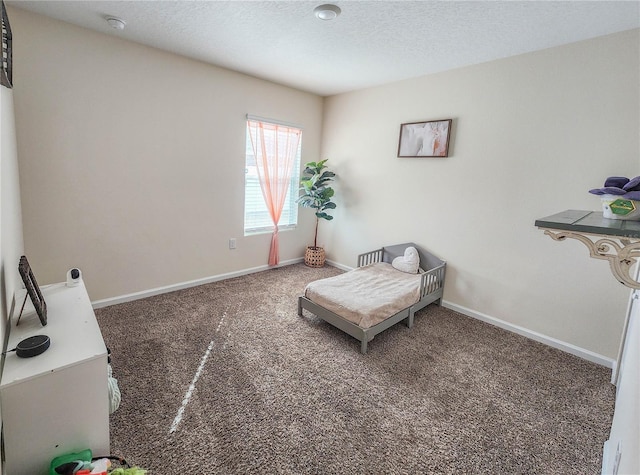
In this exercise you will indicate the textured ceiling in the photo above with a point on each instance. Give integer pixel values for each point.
(370, 43)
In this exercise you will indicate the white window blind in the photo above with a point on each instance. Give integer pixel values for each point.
(256, 214)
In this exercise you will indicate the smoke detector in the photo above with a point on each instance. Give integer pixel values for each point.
(116, 23)
(327, 11)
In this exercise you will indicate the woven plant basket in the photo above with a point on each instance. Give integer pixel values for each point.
(314, 256)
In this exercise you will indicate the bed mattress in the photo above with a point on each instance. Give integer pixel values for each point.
(367, 295)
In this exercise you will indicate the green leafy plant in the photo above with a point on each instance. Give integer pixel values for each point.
(317, 192)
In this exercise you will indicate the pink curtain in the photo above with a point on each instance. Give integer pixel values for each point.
(275, 147)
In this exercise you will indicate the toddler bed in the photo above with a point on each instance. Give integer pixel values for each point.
(383, 290)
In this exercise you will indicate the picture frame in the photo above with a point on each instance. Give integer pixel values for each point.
(6, 69)
(33, 291)
(429, 138)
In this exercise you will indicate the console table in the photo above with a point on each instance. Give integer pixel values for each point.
(57, 402)
(614, 240)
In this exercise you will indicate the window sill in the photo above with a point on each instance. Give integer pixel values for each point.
(254, 232)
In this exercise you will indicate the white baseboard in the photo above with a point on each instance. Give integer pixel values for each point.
(606, 457)
(339, 266)
(547, 340)
(186, 285)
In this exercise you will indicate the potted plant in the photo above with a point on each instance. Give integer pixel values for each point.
(316, 194)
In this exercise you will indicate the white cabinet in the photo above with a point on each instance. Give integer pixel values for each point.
(622, 451)
(57, 402)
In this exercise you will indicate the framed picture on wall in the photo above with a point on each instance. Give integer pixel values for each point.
(425, 139)
(6, 70)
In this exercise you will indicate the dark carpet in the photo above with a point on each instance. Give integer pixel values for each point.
(278, 393)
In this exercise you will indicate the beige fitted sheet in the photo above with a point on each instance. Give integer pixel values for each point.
(366, 295)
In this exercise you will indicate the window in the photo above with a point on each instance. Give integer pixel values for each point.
(257, 218)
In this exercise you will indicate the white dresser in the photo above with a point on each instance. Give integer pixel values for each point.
(57, 402)
(621, 455)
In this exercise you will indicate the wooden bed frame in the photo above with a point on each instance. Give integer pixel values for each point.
(431, 290)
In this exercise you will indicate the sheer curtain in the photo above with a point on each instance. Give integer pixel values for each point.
(275, 147)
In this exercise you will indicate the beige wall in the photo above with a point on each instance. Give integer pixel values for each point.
(11, 244)
(132, 159)
(531, 135)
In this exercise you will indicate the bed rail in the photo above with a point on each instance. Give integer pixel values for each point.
(370, 257)
(432, 280)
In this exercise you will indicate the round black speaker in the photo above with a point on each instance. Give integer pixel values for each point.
(33, 346)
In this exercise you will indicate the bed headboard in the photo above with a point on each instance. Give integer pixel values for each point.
(427, 260)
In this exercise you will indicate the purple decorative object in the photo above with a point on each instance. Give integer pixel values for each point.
(613, 190)
(620, 186)
(633, 185)
(617, 181)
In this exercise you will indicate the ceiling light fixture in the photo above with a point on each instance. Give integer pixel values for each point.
(327, 11)
(116, 23)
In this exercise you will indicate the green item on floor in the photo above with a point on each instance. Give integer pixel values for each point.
(128, 471)
(84, 455)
